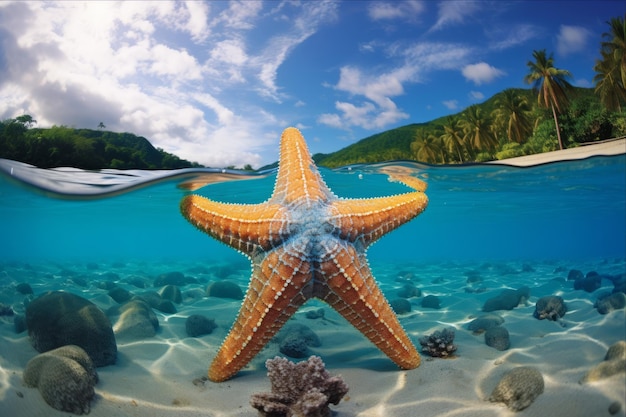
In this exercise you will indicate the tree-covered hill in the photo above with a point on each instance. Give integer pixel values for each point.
(81, 148)
(585, 120)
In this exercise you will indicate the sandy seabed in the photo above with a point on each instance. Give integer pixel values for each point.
(155, 376)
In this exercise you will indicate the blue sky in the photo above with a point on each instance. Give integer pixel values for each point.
(217, 82)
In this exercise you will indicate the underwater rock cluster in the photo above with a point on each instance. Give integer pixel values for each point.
(59, 318)
(439, 344)
(302, 389)
(65, 377)
(551, 307)
(518, 388)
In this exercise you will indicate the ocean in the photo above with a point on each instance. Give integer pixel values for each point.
(487, 227)
(560, 211)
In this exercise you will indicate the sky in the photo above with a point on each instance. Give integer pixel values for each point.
(217, 82)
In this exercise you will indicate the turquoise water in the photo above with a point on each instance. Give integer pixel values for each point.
(557, 211)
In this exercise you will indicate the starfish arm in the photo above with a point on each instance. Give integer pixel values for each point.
(353, 292)
(369, 219)
(298, 178)
(245, 227)
(274, 294)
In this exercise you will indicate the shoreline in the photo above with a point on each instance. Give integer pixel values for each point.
(607, 148)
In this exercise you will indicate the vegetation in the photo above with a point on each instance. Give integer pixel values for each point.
(551, 85)
(81, 148)
(516, 122)
(610, 71)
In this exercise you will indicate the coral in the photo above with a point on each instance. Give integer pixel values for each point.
(304, 389)
(518, 388)
(197, 325)
(613, 364)
(65, 378)
(551, 307)
(439, 344)
(59, 318)
(498, 338)
(484, 322)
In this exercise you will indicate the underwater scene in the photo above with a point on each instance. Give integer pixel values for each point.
(511, 284)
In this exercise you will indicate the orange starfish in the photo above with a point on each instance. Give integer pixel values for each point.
(304, 242)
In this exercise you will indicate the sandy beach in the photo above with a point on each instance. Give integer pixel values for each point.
(607, 148)
(164, 375)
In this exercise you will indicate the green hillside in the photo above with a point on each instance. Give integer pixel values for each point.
(81, 148)
(585, 120)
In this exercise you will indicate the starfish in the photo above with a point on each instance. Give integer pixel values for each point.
(305, 242)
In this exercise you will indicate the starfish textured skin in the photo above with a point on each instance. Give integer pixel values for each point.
(304, 242)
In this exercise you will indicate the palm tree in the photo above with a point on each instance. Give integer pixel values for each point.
(611, 69)
(551, 85)
(478, 129)
(453, 136)
(425, 147)
(514, 112)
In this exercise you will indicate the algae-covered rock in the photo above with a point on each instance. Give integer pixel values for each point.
(65, 377)
(518, 388)
(59, 318)
(613, 364)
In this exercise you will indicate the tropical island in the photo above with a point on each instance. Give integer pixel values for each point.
(551, 115)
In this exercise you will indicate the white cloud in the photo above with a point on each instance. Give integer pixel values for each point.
(571, 39)
(182, 74)
(451, 104)
(394, 10)
(513, 36)
(412, 63)
(454, 11)
(476, 95)
(311, 17)
(481, 73)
